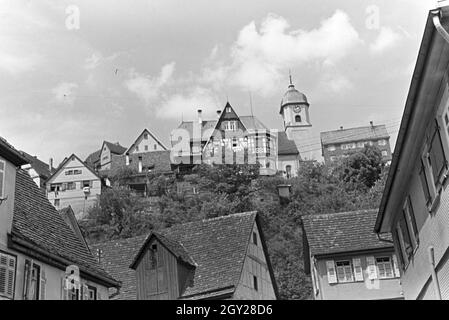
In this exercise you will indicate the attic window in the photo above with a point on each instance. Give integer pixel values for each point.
(256, 285)
(255, 238)
(228, 109)
(155, 146)
(153, 257)
(145, 136)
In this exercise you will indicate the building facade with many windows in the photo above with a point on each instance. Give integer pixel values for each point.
(415, 203)
(346, 260)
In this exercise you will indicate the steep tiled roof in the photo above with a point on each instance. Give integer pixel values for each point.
(115, 148)
(286, 146)
(354, 134)
(93, 158)
(11, 154)
(37, 222)
(42, 169)
(217, 246)
(157, 161)
(342, 232)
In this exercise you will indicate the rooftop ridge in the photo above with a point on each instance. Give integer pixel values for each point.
(331, 214)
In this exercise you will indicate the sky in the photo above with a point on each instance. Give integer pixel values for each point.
(75, 73)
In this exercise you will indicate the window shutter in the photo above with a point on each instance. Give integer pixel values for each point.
(84, 292)
(64, 291)
(43, 284)
(331, 275)
(372, 270)
(397, 273)
(358, 271)
(436, 154)
(424, 184)
(27, 278)
(3, 273)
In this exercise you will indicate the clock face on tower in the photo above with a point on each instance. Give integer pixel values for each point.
(297, 109)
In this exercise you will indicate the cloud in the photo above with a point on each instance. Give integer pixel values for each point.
(386, 39)
(64, 91)
(93, 61)
(146, 87)
(186, 105)
(259, 56)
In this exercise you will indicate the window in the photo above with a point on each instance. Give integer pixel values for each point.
(231, 125)
(331, 148)
(153, 257)
(436, 157)
(2, 178)
(424, 183)
(255, 238)
(71, 186)
(146, 148)
(86, 183)
(91, 293)
(384, 268)
(228, 109)
(405, 238)
(155, 146)
(33, 279)
(145, 136)
(69, 172)
(77, 171)
(360, 144)
(288, 170)
(298, 118)
(344, 271)
(384, 153)
(7, 275)
(256, 285)
(137, 148)
(57, 202)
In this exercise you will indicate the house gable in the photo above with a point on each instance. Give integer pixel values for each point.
(146, 142)
(66, 171)
(256, 279)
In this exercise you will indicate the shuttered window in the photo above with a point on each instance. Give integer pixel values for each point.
(331, 275)
(437, 159)
(358, 271)
(424, 183)
(372, 269)
(384, 267)
(397, 273)
(410, 217)
(7, 275)
(344, 271)
(2, 178)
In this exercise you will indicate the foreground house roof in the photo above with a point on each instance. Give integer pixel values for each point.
(217, 247)
(41, 168)
(38, 229)
(342, 232)
(354, 134)
(11, 154)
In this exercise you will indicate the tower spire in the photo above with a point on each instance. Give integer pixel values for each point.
(290, 76)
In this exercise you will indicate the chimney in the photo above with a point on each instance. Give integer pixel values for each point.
(218, 114)
(371, 123)
(127, 159)
(200, 120)
(140, 163)
(50, 164)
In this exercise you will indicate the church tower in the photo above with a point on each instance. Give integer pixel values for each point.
(295, 113)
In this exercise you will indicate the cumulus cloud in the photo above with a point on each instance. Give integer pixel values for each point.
(186, 105)
(63, 92)
(146, 87)
(386, 39)
(259, 56)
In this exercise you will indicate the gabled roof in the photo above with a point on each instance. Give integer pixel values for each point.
(42, 169)
(286, 146)
(69, 217)
(10, 153)
(217, 246)
(157, 161)
(38, 227)
(176, 248)
(354, 134)
(342, 232)
(67, 159)
(93, 158)
(115, 148)
(140, 135)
